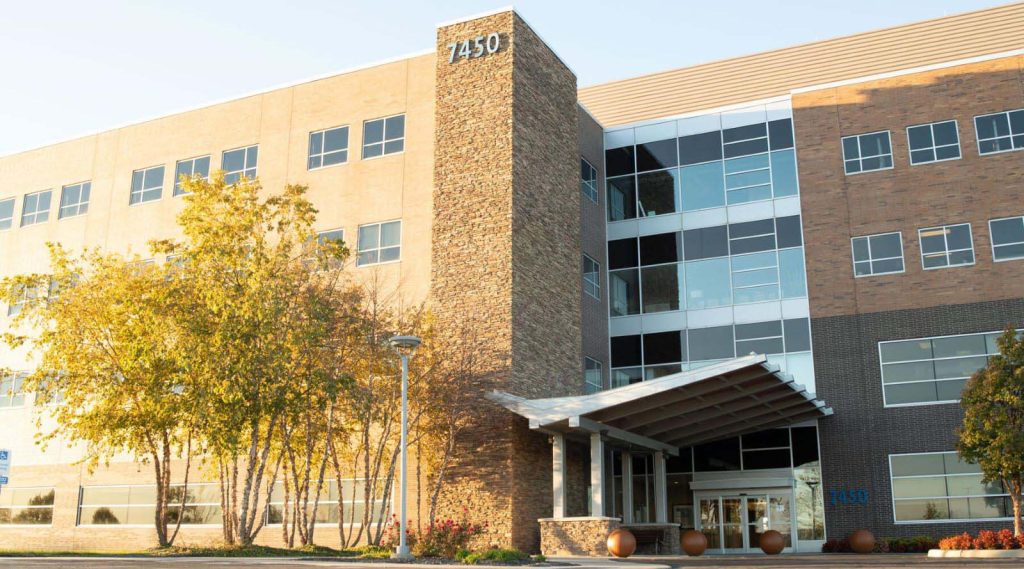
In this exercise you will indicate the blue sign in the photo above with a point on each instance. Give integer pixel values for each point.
(844, 497)
(3, 480)
(4, 454)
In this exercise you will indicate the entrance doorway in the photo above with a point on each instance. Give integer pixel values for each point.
(733, 523)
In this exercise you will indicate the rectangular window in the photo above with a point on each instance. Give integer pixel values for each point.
(939, 487)
(591, 277)
(239, 162)
(11, 394)
(135, 505)
(880, 254)
(755, 277)
(74, 200)
(624, 292)
(383, 136)
(588, 180)
(199, 166)
(26, 506)
(946, 246)
(748, 178)
(867, 152)
(933, 142)
(1007, 238)
(708, 284)
(621, 198)
(147, 185)
(379, 243)
(932, 370)
(352, 496)
(35, 208)
(333, 236)
(657, 192)
(6, 213)
(593, 381)
(328, 147)
(1000, 132)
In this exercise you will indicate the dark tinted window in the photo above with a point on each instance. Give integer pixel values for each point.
(626, 351)
(706, 242)
(805, 445)
(719, 455)
(621, 198)
(619, 161)
(622, 253)
(662, 348)
(744, 132)
(798, 335)
(758, 330)
(656, 155)
(664, 248)
(681, 463)
(780, 133)
(761, 459)
(772, 438)
(787, 231)
(711, 343)
(697, 148)
(752, 236)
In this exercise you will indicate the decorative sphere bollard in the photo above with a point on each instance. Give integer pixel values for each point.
(694, 543)
(772, 542)
(862, 541)
(621, 543)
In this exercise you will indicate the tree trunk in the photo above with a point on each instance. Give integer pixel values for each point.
(1015, 497)
(184, 491)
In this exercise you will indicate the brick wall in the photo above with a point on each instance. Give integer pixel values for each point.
(594, 243)
(857, 440)
(974, 189)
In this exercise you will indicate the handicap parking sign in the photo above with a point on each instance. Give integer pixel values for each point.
(3, 480)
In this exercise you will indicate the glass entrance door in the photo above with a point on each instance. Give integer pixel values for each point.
(734, 523)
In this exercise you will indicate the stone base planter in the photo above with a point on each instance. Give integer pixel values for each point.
(576, 536)
(976, 553)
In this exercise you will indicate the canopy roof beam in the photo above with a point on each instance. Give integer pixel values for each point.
(592, 426)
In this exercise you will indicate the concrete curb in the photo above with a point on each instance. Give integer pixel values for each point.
(976, 553)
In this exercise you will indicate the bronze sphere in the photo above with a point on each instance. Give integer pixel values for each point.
(621, 543)
(772, 542)
(862, 541)
(694, 543)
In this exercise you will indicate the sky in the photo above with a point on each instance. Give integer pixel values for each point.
(72, 67)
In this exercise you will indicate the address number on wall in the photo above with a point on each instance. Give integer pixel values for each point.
(844, 497)
(475, 47)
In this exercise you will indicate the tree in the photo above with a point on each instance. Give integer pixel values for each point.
(992, 434)
(108, 334)
(256, 311)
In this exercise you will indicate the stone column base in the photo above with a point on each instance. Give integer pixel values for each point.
(576, 536)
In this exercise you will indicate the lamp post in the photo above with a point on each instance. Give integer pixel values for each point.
(406, 347)
(813, 484)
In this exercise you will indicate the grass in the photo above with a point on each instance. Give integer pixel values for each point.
(365, 552)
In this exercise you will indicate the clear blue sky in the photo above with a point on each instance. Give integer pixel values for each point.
(71, 67)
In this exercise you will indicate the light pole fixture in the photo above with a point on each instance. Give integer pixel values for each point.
(406, 347)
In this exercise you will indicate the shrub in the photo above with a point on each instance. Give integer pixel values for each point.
(441, 538)
(539, 558)
(986, 539)
(497, 555)
(919, 544)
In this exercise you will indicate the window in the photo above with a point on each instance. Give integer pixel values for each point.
(352, 495)
(379, 243)
(650, 356)
(1000, 132)
(6, 213)
(134, 505)
(11, 394)
(940, 487)
(755, 277)
(26, 506)
(880, 254)
(867, 152)
(621, 198)
(383, 136)
(239, 162)
(708, 284)
(946, 246)
(591, 277)
(593, 381)
(588, 180)
(328, 147)
(657, 192)
(35, 208)
(933, 142)
(74, 200)
(189, 168)
(147, 185)
(932, 370)
(335, 237)
(1007, 238)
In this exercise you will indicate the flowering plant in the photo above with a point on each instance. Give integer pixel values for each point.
(441, 538)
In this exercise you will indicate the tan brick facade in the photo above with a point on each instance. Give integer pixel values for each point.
(973, 189)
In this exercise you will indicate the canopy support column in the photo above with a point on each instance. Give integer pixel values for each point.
(627, 487)
(558, 475)
(660, 489)
(596, 475)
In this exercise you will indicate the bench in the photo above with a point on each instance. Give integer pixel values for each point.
(646, 537)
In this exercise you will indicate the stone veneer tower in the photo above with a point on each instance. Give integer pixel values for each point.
(506, 257)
